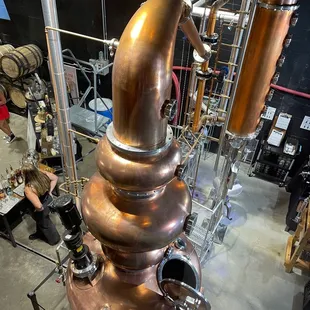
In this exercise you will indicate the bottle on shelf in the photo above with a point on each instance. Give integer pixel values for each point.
(48, 104)
(8, 186)
(19, 175)
(14, 182)
(3, 182)
(8, 177)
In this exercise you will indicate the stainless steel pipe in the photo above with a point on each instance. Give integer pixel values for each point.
(225, 16)
(57, 73)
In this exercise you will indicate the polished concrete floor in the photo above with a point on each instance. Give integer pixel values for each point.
(245, 272)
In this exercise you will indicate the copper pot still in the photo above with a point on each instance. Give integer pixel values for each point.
(268, 36)
(134, 206)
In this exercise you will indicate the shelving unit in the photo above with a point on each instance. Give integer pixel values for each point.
(272, 164)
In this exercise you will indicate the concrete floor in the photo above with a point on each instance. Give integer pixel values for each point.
(245, 272)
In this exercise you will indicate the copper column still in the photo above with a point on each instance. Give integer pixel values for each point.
(135, 207)
(267, 38)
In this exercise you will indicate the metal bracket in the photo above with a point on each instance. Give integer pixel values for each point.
(210, 39)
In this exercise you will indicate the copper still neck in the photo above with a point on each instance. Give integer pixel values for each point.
(135, 206)
(142, 74)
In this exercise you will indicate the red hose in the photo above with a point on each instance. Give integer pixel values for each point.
(178, 96)
(182, 68)
(291, 91)
(277, 87)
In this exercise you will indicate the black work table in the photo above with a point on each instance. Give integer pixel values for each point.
(10, 208)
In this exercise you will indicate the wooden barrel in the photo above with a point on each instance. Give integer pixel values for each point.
(17, 96)
(6, 48)
(21, 61)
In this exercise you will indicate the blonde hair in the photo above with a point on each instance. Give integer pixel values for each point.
(36, 179)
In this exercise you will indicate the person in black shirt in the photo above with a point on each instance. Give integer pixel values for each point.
(38, 188)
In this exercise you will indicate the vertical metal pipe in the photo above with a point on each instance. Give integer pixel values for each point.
(224, 129)
(190, 93)
(203, 22)
(95, 98)
(59, 84)
(204, 67)
(104, 28)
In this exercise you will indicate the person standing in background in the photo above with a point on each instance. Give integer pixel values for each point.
(4, 116)
(38, 190)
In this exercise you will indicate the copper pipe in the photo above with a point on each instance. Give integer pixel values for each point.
(204, 67)
(280, 2)
(191, 90)
(199, 99)
(142, 74)
(270, 27)
(192, 34)
(85, 136)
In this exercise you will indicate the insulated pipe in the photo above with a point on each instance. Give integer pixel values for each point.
(225, 16)
(60, 88)
(199, 3)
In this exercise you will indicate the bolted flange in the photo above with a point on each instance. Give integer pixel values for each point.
(169, 109)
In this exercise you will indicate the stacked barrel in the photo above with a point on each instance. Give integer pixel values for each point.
(16, 63)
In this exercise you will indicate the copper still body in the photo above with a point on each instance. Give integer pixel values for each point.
(135, 207)
(267, 38)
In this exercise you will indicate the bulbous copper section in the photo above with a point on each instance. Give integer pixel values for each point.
(117, 289)
(133, 224)
(134, 261)
(280, 2)
(142, 74)
(137, 173)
